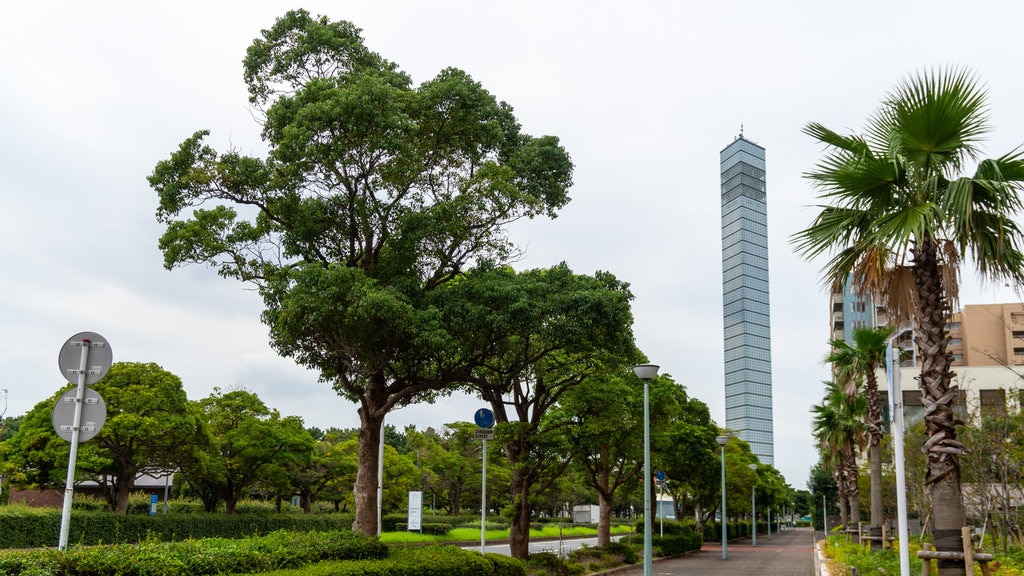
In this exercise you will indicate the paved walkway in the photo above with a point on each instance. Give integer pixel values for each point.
(788, 554)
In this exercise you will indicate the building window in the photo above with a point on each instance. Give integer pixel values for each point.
(993, 402)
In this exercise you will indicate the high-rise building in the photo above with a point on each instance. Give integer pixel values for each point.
(748, 358)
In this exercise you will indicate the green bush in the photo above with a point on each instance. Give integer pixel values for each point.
(547, 563)
(431, 528)
(195, 557)
(419, 561)
(677, 543)
(25, 527)
(628, 553)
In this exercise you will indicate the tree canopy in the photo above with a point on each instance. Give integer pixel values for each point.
(374, 194)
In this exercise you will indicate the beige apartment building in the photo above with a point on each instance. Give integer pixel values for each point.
(987, 345)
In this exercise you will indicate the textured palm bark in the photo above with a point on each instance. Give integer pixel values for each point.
(852, 490)
(941, 447)
(875, 457)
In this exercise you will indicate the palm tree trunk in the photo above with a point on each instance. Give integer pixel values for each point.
(852, 489)
(875, 458)
(937, 394)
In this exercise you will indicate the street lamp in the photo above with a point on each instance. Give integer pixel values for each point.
(753, 505)
(647, 372)
(722, 441)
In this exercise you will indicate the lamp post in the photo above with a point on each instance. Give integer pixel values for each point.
(647, 372)
(753, 506)
(722, 441)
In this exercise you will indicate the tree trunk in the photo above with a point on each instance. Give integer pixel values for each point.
(519, 531)
(604, 523)
(875, 458)
(123, 490)
(365, 491)
(938, 396)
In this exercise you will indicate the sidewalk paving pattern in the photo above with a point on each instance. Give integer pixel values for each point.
(788, 554)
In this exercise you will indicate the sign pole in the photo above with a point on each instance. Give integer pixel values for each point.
(69, 485)
(483, 499)
(484, 418)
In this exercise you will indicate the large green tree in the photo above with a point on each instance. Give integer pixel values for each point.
(148, 429)
(604, 417)
(901, 214)
(856, 362)
(544, 332)
(247, 443)
(374, 194)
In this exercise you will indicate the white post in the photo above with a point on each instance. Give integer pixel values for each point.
(483, 499)
(380, 481)
(896, 411)
(661, 513)
(69, 485)
(824, 515)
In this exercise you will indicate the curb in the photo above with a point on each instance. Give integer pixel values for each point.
(820, 566)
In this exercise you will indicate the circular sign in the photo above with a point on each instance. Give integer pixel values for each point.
(100, 357)
(94, 414)
(484, 418)
(660, 476)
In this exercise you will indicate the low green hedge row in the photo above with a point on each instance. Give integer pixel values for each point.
(673, 544)
(432, 528)
(25, 527)
(195, 557)
(391, 522)
(737, 529)
(418, 561)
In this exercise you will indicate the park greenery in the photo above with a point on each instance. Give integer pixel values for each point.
(901, 214)
(375, 231)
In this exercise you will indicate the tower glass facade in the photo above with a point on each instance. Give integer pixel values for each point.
(748, 360)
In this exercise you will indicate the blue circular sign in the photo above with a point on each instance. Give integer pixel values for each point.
(660, 476)
(484, 418)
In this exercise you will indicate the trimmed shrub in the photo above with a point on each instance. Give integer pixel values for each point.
(24, 527)
(431, 528)
(196, 557)
(677, 543)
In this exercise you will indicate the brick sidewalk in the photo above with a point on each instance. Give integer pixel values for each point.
(788, 554)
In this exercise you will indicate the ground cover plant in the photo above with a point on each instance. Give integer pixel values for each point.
(195, 557)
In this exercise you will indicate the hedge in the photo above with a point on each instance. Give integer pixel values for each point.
(24, 527)
(419, 561)
(195, 557)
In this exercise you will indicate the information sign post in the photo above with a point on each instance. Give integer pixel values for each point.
(86, 356)
(485, 420)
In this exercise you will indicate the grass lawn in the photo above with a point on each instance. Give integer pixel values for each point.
(473, 534)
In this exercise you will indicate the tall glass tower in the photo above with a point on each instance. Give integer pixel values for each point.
(748, 358)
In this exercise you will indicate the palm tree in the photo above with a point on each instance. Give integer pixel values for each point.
(853, 364)
(900, 216)
(839, 429)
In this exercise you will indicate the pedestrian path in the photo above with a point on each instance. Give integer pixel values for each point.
(790, 553)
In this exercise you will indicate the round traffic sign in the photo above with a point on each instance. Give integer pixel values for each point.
(660, 476)
(94, 414)
(100, 357)
(484, 418)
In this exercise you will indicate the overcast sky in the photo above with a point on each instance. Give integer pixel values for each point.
(643, 95)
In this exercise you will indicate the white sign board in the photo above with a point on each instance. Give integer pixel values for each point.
(415, 510)
(483, 433)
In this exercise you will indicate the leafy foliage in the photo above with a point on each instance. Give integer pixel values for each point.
(374, 195)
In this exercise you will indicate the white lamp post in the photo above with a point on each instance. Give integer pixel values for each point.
(753, 506)
(647, 372)
(722, 441)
